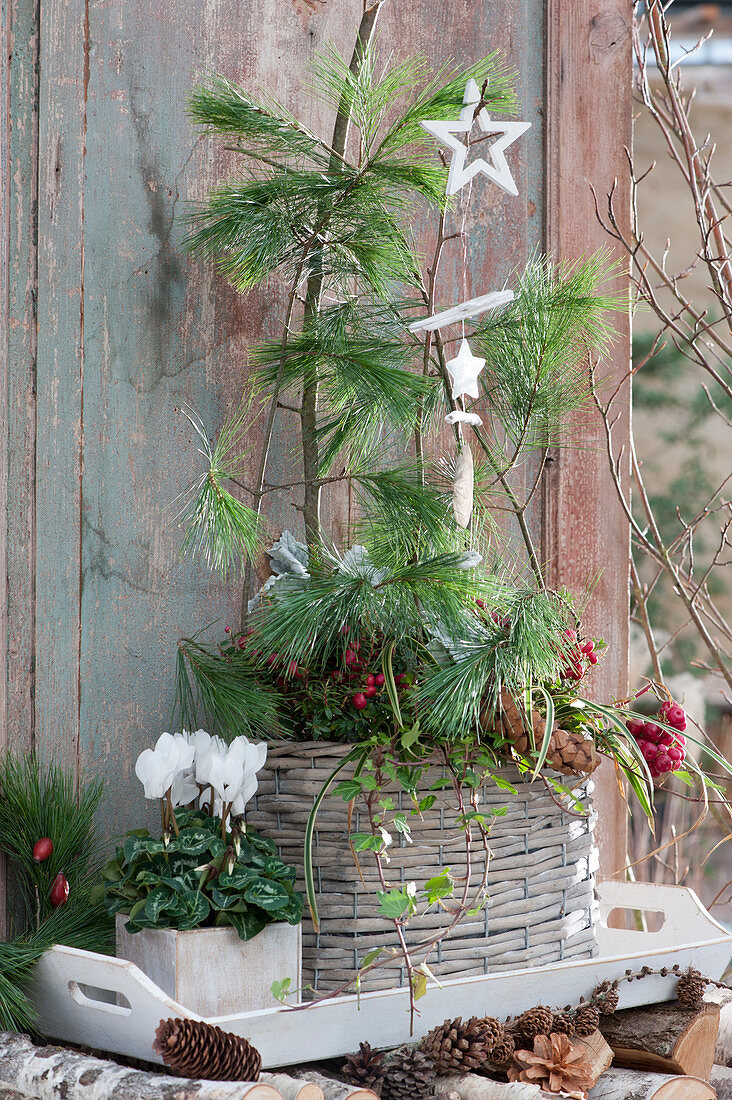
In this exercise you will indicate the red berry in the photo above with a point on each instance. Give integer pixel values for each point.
(680, 740)
(336, 675)
(649, 750)
(651, 731)
(42, 849)
(592, 658)
(370, 690)
(664, 763)
(676, 716)
(350, 657)
(571, 634)
(379, 679)
(675, 753)
(272, 659)
(587, 648)
(635, 728)
(370, 680)
(292, 668)
(359, 700)
(481, 604)
(59, 890)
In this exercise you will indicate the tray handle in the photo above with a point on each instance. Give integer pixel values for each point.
(684, 917)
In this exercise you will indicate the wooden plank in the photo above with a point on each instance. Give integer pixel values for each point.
(60, 369)
(18, 323)
(589, 72)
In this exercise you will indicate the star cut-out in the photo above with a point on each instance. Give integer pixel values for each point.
(461, 173)
(464, 370)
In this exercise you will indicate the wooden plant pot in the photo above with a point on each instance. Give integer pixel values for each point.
(210, 970)
(541, 904)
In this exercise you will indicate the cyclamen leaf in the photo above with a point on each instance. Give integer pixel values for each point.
(267, 894)
(196, 907)
(156, 902)
(248, 924)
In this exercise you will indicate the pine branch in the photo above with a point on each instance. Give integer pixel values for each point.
(224, 690)
(217, 525)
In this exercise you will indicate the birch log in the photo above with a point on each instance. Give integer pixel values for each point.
(334, 1089)
(290, 1088)
(469, 1086)
(723, 997)
(7, 1092)
(721, 1080)
(629, 1084)
(47, 1073)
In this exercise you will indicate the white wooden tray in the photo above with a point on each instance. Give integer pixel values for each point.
(110, 1005)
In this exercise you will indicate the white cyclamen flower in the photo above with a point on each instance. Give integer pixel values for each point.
(232, 772)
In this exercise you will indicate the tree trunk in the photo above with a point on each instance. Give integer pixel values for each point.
(665, 1038)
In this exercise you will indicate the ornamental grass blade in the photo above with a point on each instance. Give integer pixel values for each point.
(310, 891)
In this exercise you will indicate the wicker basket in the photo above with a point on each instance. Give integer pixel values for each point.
(541, 903)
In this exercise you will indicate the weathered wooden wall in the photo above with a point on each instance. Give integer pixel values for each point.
(106, 329)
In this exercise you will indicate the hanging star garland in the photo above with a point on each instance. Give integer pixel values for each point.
(449, 133)
(464, 370)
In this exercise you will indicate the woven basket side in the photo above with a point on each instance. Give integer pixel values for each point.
(541, 906)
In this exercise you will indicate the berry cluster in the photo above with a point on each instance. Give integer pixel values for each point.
(580, 656)
(662, 750)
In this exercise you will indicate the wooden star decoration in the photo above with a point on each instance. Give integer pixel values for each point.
(449, 133)
(464, 370)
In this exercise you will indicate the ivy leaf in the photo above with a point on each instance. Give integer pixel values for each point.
(281, 990)
(398, 903)
(441, 886)
(366, 842)
(401, 826)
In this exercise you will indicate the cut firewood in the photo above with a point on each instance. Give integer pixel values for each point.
(723, 997)
(7, 1092)
(290, 1088)
(597, 1052)
(469, 1086)
(629, 1084)
(332, 1088)
(50, 1072)
(721, 1080)
(664, 1038)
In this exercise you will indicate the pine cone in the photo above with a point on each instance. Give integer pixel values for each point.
(455, 1045)
(586, 1020)
(606, 998)
(410, 1075)
(690, 988)
(193, 1048)
(365, 1069)
(537, 1021)
(502, 1054)
(563, 1024)
(494, 1031)
(555, 1065)
(569, 753)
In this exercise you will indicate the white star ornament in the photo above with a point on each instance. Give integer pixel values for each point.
(449, 134)
(464, 370)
